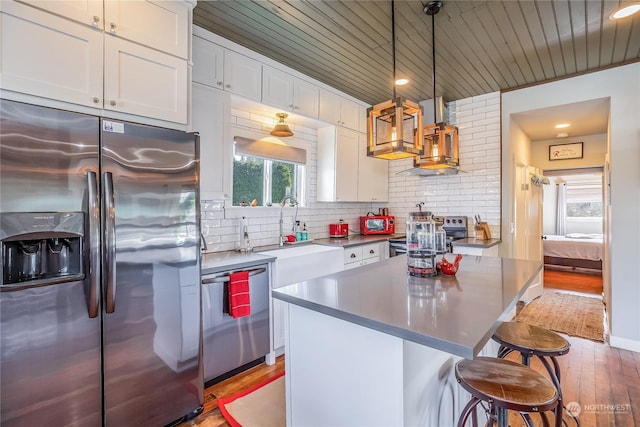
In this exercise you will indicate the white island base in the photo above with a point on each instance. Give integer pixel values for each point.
(343, 374)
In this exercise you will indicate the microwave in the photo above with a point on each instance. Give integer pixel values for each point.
(377, 224)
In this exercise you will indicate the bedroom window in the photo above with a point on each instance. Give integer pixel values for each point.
(584, 201)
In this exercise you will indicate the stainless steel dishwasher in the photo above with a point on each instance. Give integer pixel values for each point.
(232, 345)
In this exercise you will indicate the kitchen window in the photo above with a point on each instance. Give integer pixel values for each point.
(265, 172)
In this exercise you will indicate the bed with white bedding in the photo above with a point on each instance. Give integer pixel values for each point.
(574, 250)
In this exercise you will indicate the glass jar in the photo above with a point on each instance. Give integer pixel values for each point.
(421, 244)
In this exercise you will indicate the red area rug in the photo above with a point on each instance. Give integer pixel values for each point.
(261, 406)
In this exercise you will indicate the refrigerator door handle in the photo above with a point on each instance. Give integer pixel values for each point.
(94, 244)
(109, 272)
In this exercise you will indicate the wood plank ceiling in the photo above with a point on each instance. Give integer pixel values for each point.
(481, 46)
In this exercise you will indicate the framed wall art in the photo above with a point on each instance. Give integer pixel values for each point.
(565, 151)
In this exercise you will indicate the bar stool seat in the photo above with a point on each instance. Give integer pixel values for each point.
(534, 341)
(505, 385)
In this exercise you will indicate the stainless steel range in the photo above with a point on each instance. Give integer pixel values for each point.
(455, 228)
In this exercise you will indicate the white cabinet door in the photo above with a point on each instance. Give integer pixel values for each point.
(337, 110)
(143, 81)
(208, 63)
(88, 12)
(346, 165)
(277, 88)
(350, 114)
(305, 98)
(337, 165)
(329, 108)
(242, 75)
(289, 93)
(373, 175)
(162, 25)
(50, 57)
(211, 119)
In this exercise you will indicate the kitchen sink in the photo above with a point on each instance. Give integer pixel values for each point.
(298, 263)
(295, 264)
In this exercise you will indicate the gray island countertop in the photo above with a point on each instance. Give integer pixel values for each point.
(456, 314)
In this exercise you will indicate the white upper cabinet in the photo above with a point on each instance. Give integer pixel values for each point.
(289, 93)
(144, 82)
(339, 111)
(373, 175)
(242, 75)
(211, 119)
(48, 56)
(337, 165)
(162, 25)
(208, 63)
(88, 12)
(215, 66)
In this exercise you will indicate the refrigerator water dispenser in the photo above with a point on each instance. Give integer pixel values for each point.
(41, 248)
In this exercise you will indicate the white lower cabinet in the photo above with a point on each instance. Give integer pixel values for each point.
(357, 256)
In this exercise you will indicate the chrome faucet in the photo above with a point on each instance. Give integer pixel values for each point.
(280, 223)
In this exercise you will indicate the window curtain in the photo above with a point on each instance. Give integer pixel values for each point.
(561, 214)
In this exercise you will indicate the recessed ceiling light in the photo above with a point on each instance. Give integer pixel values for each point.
(562, 135)
(402, 82)
(562, 125)
(623, 12)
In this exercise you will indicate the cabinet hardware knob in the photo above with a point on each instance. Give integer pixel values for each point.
(95, 99)
(372, 251)
(353, 255)
(112, 28)
(219, 83)
(96, 20)
(296, 107)
(227, 86)
(112, 103)
(290, 105)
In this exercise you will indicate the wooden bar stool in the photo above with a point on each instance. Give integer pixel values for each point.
(534, 341)
(505, 385)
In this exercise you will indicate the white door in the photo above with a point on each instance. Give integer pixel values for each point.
(528, 222)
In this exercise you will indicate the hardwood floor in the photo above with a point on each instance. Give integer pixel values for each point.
(211, 416)
(570, 281)
(604, 381)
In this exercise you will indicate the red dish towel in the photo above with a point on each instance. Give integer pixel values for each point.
(239, 300)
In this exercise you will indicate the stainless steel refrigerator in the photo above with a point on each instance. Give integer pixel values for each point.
(100, 294)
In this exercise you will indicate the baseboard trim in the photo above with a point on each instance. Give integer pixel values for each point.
(624, 343)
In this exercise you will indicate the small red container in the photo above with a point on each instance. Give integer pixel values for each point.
(340, 229)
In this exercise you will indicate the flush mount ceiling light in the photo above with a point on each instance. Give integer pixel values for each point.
(625, 11)
(562, 125)
(402, 82)
(440, 150)
(281, 128)
(394, 127)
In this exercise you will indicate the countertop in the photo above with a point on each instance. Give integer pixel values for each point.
(230, 260)
(476, 243)
(356, 239)
(457, 314)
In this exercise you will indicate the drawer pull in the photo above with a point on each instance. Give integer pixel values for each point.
(353, 255)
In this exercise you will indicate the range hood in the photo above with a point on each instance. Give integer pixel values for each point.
(452, 170)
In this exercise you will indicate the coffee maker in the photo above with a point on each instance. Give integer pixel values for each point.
(41, 248)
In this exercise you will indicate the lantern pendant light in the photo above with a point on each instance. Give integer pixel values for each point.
(394, 127)
(440, 139)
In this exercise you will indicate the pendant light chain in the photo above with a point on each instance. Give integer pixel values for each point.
(393, 45)
(433, 63)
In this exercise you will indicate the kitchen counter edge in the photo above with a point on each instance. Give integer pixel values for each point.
(476, 243)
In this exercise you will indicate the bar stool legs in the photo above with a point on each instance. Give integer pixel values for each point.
(505, 385)
(534, 341)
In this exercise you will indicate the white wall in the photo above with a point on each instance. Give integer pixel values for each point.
(594, 151)
(622, 86)
(477, 191)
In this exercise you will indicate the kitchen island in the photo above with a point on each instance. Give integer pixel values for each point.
(378, 347)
